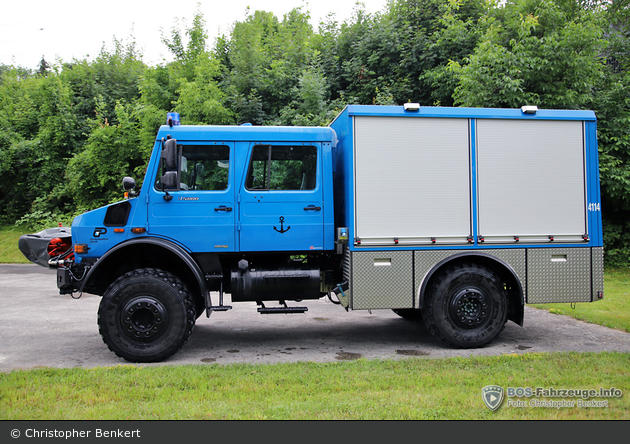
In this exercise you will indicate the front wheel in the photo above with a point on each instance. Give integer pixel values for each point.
(465, 306)
(146, 315)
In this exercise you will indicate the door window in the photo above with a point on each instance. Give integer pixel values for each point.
(203, 168)
(282, 168)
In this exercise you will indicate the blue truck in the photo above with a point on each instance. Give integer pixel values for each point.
(454, 216)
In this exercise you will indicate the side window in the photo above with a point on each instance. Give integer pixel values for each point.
(205, 167)
(282, 168)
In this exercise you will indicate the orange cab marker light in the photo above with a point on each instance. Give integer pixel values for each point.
(119, 230)
(81, 248)
(138, 230)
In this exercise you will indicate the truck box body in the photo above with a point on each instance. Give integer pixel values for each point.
(417, 187)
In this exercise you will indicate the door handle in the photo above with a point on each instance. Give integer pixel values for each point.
(223, 208)
(312, 208)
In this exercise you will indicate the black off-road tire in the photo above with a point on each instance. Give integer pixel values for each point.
(465, 306)
(409, 314)
(146, 315)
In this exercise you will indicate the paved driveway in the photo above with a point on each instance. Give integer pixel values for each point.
(39, 327)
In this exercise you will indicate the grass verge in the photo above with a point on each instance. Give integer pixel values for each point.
(413, 388)
(613, 311)
(9, 251)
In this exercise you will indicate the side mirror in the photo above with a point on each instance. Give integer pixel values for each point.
(169, 180)
(171, 160)
(128, 183)
(169, 154)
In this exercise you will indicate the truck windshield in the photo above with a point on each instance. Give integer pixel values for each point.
(282, 168)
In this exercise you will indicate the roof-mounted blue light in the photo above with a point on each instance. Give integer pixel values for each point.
(172, 119)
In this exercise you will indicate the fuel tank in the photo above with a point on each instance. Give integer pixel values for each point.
(291, 281)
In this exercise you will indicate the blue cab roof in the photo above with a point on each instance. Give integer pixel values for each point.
(248, 133)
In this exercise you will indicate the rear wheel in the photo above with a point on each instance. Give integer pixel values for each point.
(146, 315)
(465, 306)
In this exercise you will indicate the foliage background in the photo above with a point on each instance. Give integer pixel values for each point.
(70, 131)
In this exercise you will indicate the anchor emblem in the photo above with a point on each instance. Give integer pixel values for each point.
(282, 230)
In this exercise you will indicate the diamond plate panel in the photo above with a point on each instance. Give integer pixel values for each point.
(515, 259)
(426, 260)
(382, 279)
(597, 258)
(558, 275)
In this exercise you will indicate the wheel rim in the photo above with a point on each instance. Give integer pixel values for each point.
(470, 308)
(144, 318)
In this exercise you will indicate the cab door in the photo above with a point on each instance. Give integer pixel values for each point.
(281, 205)
(200, 214)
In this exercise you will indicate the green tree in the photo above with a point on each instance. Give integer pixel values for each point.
(201, 101)
(112, 151)
(310, 106)
(112, 76)
(39, 133)
(400, 53)
(263, 59)
(187, 46)
(457, 32)
(535, 53)
(158, 87)
(612, 107)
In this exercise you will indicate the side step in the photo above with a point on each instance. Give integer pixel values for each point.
(284, 309)
(219, 307)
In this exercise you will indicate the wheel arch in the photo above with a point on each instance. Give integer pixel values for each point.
(142, 253)
(514, 288)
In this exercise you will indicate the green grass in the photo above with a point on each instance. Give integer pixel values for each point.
(9, 251)
(613, 311)
(413, 388)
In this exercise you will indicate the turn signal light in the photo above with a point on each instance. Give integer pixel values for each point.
(138, 230)
(119, 230)
(80, 248)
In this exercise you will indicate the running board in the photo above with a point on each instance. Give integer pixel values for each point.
(219, 307)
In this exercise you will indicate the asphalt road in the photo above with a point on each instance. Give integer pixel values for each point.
(40, 328)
